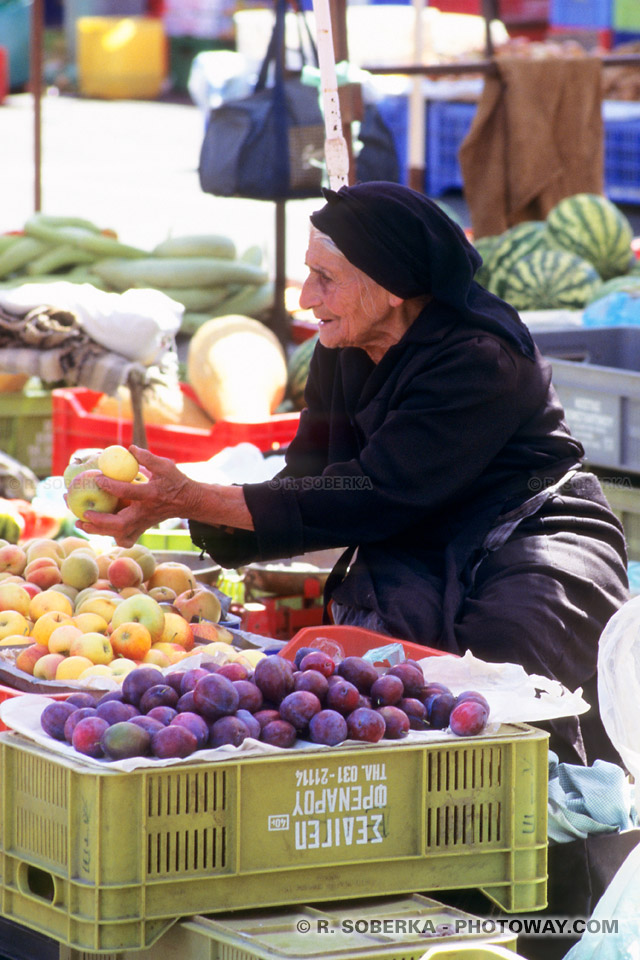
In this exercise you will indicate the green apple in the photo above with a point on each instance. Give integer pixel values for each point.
(140, 608)
(83, 494)
(80, 461)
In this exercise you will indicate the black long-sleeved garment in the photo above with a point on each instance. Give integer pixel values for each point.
(412, 461)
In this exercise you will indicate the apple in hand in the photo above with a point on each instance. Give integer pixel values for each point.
(83, 494)
(117, 463)
(83, 460)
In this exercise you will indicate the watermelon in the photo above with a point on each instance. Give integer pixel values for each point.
(298, 370)
(592, 227)
(630, 282)
(516, 242)
(549, 279)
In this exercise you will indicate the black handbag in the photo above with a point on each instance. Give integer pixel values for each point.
(269, 145)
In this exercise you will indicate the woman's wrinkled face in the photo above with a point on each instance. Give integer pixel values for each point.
(352, 309)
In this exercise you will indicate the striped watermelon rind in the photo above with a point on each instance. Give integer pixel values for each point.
(592, 227)
(551, 279)
(629, 283)
(514, 244)
(298, 370)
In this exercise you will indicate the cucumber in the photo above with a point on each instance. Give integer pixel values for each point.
(19, 254)
(161, 272)
(196, 299)
(197, 245)
(62, 255)
(97, 243)
(248, 302)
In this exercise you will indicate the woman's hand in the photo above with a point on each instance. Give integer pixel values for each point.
(167, 493)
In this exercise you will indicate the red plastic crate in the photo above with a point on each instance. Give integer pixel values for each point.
(75, 426)
(7, 692)
(524, 11)
(459, 6)
(590, 39)
(355, 641)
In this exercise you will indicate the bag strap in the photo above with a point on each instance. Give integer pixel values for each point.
(302, 18)
(275, 49)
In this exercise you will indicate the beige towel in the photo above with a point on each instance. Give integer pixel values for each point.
(537, 137)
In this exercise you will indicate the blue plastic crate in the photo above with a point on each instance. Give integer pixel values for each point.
(622, 160)
(448, 122)
(394, 110)
(581, 13)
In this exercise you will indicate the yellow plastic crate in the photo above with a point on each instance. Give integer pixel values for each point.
(102, 860)
(121, 57)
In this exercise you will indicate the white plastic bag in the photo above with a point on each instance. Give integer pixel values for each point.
(619, 685)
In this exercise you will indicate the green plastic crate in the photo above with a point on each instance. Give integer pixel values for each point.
(401, 928)
(103, 860)
(26, 431)
(626, 15)
(158, 539)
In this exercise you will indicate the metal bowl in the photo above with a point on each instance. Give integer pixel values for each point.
(287, 577)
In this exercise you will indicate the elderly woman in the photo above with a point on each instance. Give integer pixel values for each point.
(434, 449)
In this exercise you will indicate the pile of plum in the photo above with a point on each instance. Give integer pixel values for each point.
(314, 698)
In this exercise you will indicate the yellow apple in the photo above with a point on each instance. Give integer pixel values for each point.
(198, 604)
(172, 650)
(62, 637)
(49, 600)
(104, 606)
(249, 658)
(95, 670)
(140, 608)
(163, 594)
(157, 658)
(13, 596)
(70, 668)
(46, 624)
(84, 494)
(177, 630)
(12, 622)
(121, 666)
(173, 574)
(81, 461)
(93, 645)
(90, 623)
(16, 640)
(117, 463)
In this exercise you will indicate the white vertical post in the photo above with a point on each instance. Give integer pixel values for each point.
(417, 127)
(336, 152)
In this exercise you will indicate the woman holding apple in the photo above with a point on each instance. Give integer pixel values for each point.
(434, 448)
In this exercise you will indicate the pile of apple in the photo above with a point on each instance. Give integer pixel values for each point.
(173, 715)
(78, 614)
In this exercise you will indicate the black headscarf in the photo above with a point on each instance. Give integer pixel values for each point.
(409, 246)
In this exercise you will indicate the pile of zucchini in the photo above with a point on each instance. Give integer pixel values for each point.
(202, 272)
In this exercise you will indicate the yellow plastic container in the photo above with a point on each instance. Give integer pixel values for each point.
(103, 860)
(121, 58)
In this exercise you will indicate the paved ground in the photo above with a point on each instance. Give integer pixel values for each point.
(131, 166)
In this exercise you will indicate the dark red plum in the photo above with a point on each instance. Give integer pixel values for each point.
(249, 695)
(174, 679)
(54, 717)
(87, 735)
(317, 660)
(468, 718)
(81, 700)
(396, 722)
(186, 703)
(313, 681)
(386, 690)
(328, 727)
(472, 695)
(298, 707)
(439, 710)
(110, 695)
(158, 695)
(233, 671)
(343, 697)
(215, 696)
(191, 677)
(359, 672)
(274, 676)
(173, 742)
(266, 716)
(150, 724)
(125, 739)
(431, 689)
(412, 678)
(74, 718)
(162, 714)
(137, 681)
(196, 724)
(279, 733)
(115, 711)
(250, 722)
(300, 654)
(416, 711)
(365, 725)
(227, 730)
